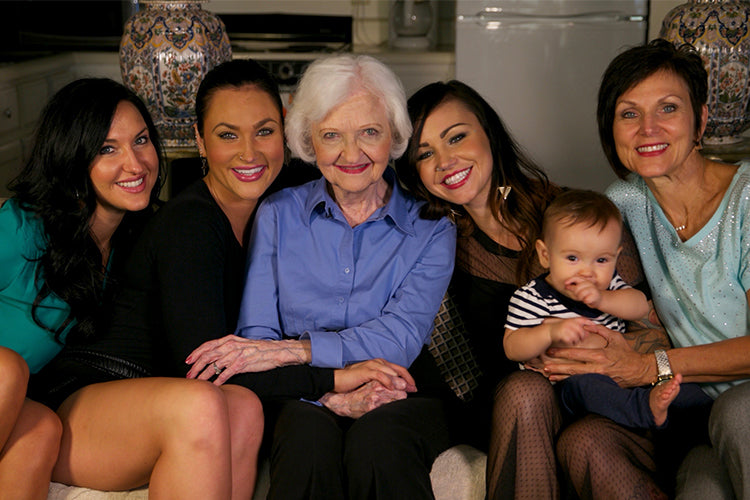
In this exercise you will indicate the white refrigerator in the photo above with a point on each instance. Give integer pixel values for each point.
(539, 63)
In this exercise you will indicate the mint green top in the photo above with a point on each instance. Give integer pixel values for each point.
(699, 286)
(22, 242)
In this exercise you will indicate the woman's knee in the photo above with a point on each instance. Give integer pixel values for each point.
(579, 441)
(524, 392)
(245, 411)
(728, 420)
(195, 413)
(15, 372)
(42, 431)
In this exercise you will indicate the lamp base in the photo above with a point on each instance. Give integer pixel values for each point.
(411, 42)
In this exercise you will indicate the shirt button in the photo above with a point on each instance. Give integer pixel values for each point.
(346, 270)
(341, 300)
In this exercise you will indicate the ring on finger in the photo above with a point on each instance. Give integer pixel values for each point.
(217, 370)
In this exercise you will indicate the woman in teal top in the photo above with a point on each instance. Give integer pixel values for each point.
(689, 219)
(21, 247)
(92, 177)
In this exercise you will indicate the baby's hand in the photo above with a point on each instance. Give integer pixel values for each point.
(567, 332)
(584, 291)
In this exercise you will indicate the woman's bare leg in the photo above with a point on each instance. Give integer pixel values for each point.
(29, 434)
(169, 432)
(246, 425)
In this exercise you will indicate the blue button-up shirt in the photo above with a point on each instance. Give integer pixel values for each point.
(357, 293)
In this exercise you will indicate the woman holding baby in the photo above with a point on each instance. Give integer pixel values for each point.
(688, 218)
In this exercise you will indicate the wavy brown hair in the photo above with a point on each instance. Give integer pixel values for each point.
(521, 213)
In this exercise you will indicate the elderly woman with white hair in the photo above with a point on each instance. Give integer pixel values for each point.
(343, 270)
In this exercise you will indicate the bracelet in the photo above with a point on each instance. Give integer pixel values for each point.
(663, 368)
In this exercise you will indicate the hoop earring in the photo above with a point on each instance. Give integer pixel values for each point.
(204, 166)
(504, 191)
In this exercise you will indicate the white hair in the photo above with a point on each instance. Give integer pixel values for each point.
(330, 81)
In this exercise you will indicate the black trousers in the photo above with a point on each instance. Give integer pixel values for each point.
(385, 454)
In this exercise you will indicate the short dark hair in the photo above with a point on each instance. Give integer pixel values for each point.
(234, 74)
(580, 206)
(635, 65)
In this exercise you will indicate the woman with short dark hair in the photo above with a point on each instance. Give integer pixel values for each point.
(688, 217)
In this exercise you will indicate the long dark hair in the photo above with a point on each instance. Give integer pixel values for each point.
(521, 213)
(635, 65)
(55, 185)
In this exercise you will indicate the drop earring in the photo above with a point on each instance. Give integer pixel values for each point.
(204, 166)
(504, 191)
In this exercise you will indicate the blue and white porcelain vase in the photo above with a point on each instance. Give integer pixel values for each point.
(718, 29)
(167, 47)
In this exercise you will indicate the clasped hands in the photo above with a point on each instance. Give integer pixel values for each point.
(358, 388)
(362, 387)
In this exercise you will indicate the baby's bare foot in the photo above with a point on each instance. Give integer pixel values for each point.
(661, 397)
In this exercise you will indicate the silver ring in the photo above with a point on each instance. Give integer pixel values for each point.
(217, 370)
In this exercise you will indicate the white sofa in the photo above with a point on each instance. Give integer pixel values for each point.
(457, 474)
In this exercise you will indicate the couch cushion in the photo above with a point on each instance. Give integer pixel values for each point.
(59, 491)
(457, 474)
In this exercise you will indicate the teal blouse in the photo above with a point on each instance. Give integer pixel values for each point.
(22, 242)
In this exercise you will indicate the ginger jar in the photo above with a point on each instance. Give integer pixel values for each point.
(718, 29)
(167, 47)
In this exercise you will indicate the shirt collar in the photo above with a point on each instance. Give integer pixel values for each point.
(319, 202)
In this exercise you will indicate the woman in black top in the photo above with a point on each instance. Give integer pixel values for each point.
(183, 283)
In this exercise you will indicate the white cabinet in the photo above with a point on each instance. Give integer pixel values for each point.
(8, 109)
(415, 69)
(25, 88)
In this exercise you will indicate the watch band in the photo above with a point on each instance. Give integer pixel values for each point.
(663, 368)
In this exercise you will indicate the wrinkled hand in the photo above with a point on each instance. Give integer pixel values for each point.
(233, 355)
(569, 331)
(617, 360)
(584, 291)
(390, 375)
(356, 403)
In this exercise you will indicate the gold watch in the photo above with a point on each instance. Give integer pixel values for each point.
(663, 368)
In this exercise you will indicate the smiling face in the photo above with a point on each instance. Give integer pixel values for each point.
(243, 143)
(125, 170)
(580, 252)
(454, 159)
(654, 127)
(352, 146)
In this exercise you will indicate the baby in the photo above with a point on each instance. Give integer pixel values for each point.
(581, 240)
